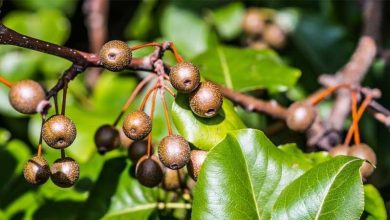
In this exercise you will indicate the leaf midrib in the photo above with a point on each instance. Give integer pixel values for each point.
(330, 186)
(225, 68)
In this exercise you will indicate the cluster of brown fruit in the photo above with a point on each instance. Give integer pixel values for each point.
(261, 30)
(174, 151)
(58, 132)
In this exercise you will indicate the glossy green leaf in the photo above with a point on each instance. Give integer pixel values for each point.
(242, 177)
(185, 29)
(204, 133)
(374, 205)
(311, 159)
(331, 190)
(117, 195)
(246, 69)
(228, 20)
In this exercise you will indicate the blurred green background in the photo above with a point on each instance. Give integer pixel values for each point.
(322, 35)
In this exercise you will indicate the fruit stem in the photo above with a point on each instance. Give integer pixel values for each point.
(166, 114)
(142, 107)
(156, 44)
(40, 136)
(5, 82)
(151, 118)
(132, 97)
(166, 88)
(354, 118)
(55, 98)
(322, 95)
(360, 112)
(174, 50)
(62, 153)
(64, 92)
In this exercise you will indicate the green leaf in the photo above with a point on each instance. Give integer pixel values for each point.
(373, 203)
(142, 22)
(310, 159)
(242, 177)
(67, 6)
(331, 190)
(117, 195)
(261, 68)
(204, 133)
(185, 29)
(228, 20)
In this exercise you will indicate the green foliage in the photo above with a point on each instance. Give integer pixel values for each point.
(373, 203)
(263, 69)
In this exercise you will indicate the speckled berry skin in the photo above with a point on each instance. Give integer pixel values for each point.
(363, 151)
(174, 152)
(36, 171)
(115, 55)
(65, 172)
(137, 125)
(184, 77)
(59, 132)
(148, 172)
(106, 138)
(206, 100)
(300, 116)
(196, 160)
(25, 96)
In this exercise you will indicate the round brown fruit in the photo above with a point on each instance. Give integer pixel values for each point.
(59, 132)
(173, 179)
(25, 96)
(174, 152)
(65, 172)
(300, 116)
(106, 138)
(206, 100)
(184, 77)
(137, 150)
(274, 36)
(137, 125)
(148, 172)
(363, 151)
(254, 22)
(115, 55)
(339, 150)
(36, 171)
(196, 160)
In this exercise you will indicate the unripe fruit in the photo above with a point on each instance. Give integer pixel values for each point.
(149, 172)
(137, 125)
(195, 163)
(300, 116)
(173, 179)
(106, 138)
(364, 152)
(59, 132)
(174, 152)
(206, 100)
(274, 36)
(184, 77)
(65, 172)
(137, 150)
(254, 22)
(339, 150)
(115, 55)
(36, 171)
(25, 96)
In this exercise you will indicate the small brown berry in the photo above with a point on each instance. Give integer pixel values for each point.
(137, 150)
(106, 138)
(254, 22)
(206, 100)
(148, 172)
(363, 151)
(137, 125)
(65, 172)
(25, 96)
(300, 116)
(339, 150)
(125, 141)
(174, 151)
(36, 171)
(274, 36)
(184, 77)
(195, 163)
(59, 132)
(173, 179)
(115, 55)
